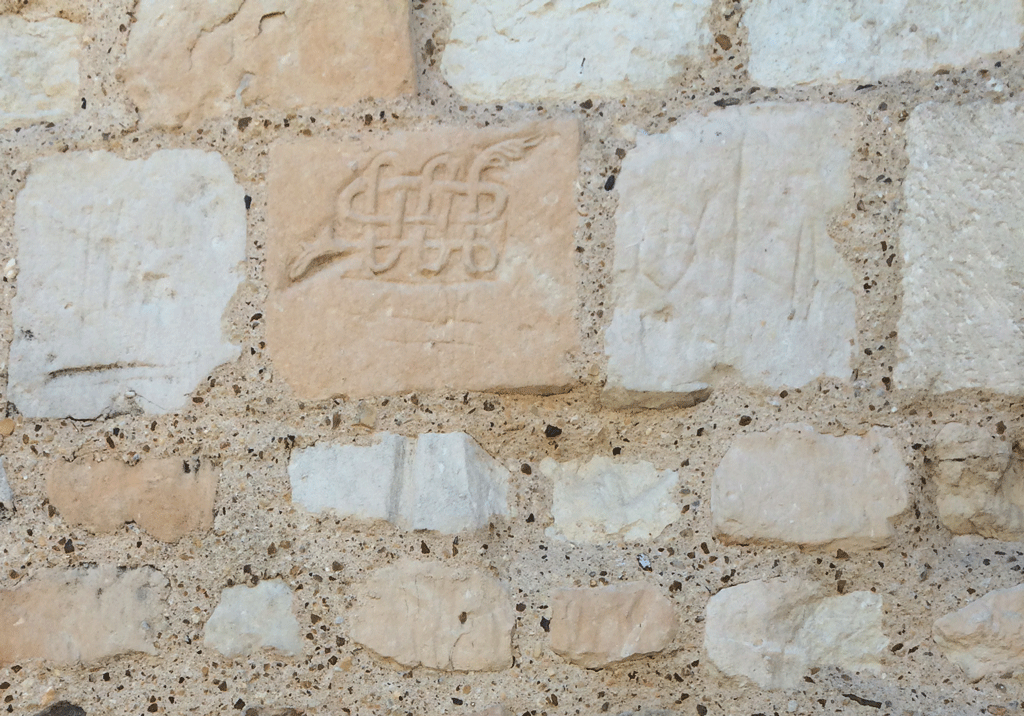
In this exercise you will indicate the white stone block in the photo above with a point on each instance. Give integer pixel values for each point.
(511, 50)
(987, 636)
(6, 495)
(252, 618)
(799, 41)
(722, 257)
(39, 75)
(126, 269)
(605, 500)
(963, 249)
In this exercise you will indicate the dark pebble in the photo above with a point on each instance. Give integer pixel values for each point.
(552, 432)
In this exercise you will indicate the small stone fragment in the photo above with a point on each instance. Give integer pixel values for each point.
(986, 637)
(793, 485)
(6, 495)
(605, 500)
(252, 618)
(62, 708)
(167, 498)
(597, 627)
(7, 426)
(267, 711)
(39, 74)
(429, 614)
(366, 415)
(82, 615)
(493, 710)
(773, 632)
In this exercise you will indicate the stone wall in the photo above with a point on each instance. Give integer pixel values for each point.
(465, 357)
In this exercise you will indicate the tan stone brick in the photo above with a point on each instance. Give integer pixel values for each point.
(424, 260)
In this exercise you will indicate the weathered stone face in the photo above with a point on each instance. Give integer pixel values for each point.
(39, 75)
(987, 636)
(794, 485)
(963, 157)
(795, 41)
(423, 261)
(248, 619)
(722, 258)
(429, 614)
(606, 625)
(190, 60)
(82, 614)
(126, 270)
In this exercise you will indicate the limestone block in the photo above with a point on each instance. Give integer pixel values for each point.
(126, 268)
(6, 495)
(597, 627)
(248, 619)
(439, 481)
(604, 500)
(508, 50)
(80, 615)
(190, 60)
(39, 79)
(963, 158)
(985, 638)
(424, 260)
(774, 632)
(168, 498)
(793, 485)
(799, 41)
(980, 482)
(428, 614)
(722, 258)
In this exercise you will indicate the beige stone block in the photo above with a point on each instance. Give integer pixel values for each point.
(602, 626)
(987, 636)
(189, 60)
(429, 614)
(424, 260)
(39, 76)
(82, 614)
(168, 498)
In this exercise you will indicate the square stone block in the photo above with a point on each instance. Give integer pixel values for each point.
(424, 260)
(38, 70)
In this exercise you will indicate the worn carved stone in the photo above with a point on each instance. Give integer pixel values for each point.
(82, 614)
(773, 632)
(192, 60)
(985, 638)
(605, 625)
(168, 498)
(39, 73)
(248, 619)
(454, 618)
(424, 260)
(126, 269)
(723, 262)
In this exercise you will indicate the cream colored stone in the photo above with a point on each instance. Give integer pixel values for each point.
(722, 257)
(774, 632)
(190, 60)
(791, 484)
(126, 269)
(248, 619)
(455, 618)
(963, 249)
(6, 495)
(86, 614)
(39, 74)
(605, 500)
(168, 498)
(802, 41)
(605, 625)
(424, 260)
(985, 638)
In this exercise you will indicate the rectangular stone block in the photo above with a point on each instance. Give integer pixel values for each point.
(39, 78)
(424, 260)
(963, 249)
(722, 257)
(801, 41)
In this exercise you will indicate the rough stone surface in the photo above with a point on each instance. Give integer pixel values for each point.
(126, 268)
(6, 494)
(979, 481)
(189, 60)
(429, 614)
(722, 258)
(82, 614)
(963, 157)
(527, 51)
(248, 619)
(605, 500)
(62, 708)
(796, 41)
(160, 496)
(986, 637)
(774, 632)
(597, 627)
(39, 74)
(443, 482)
(791, 484)
(424, 260)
